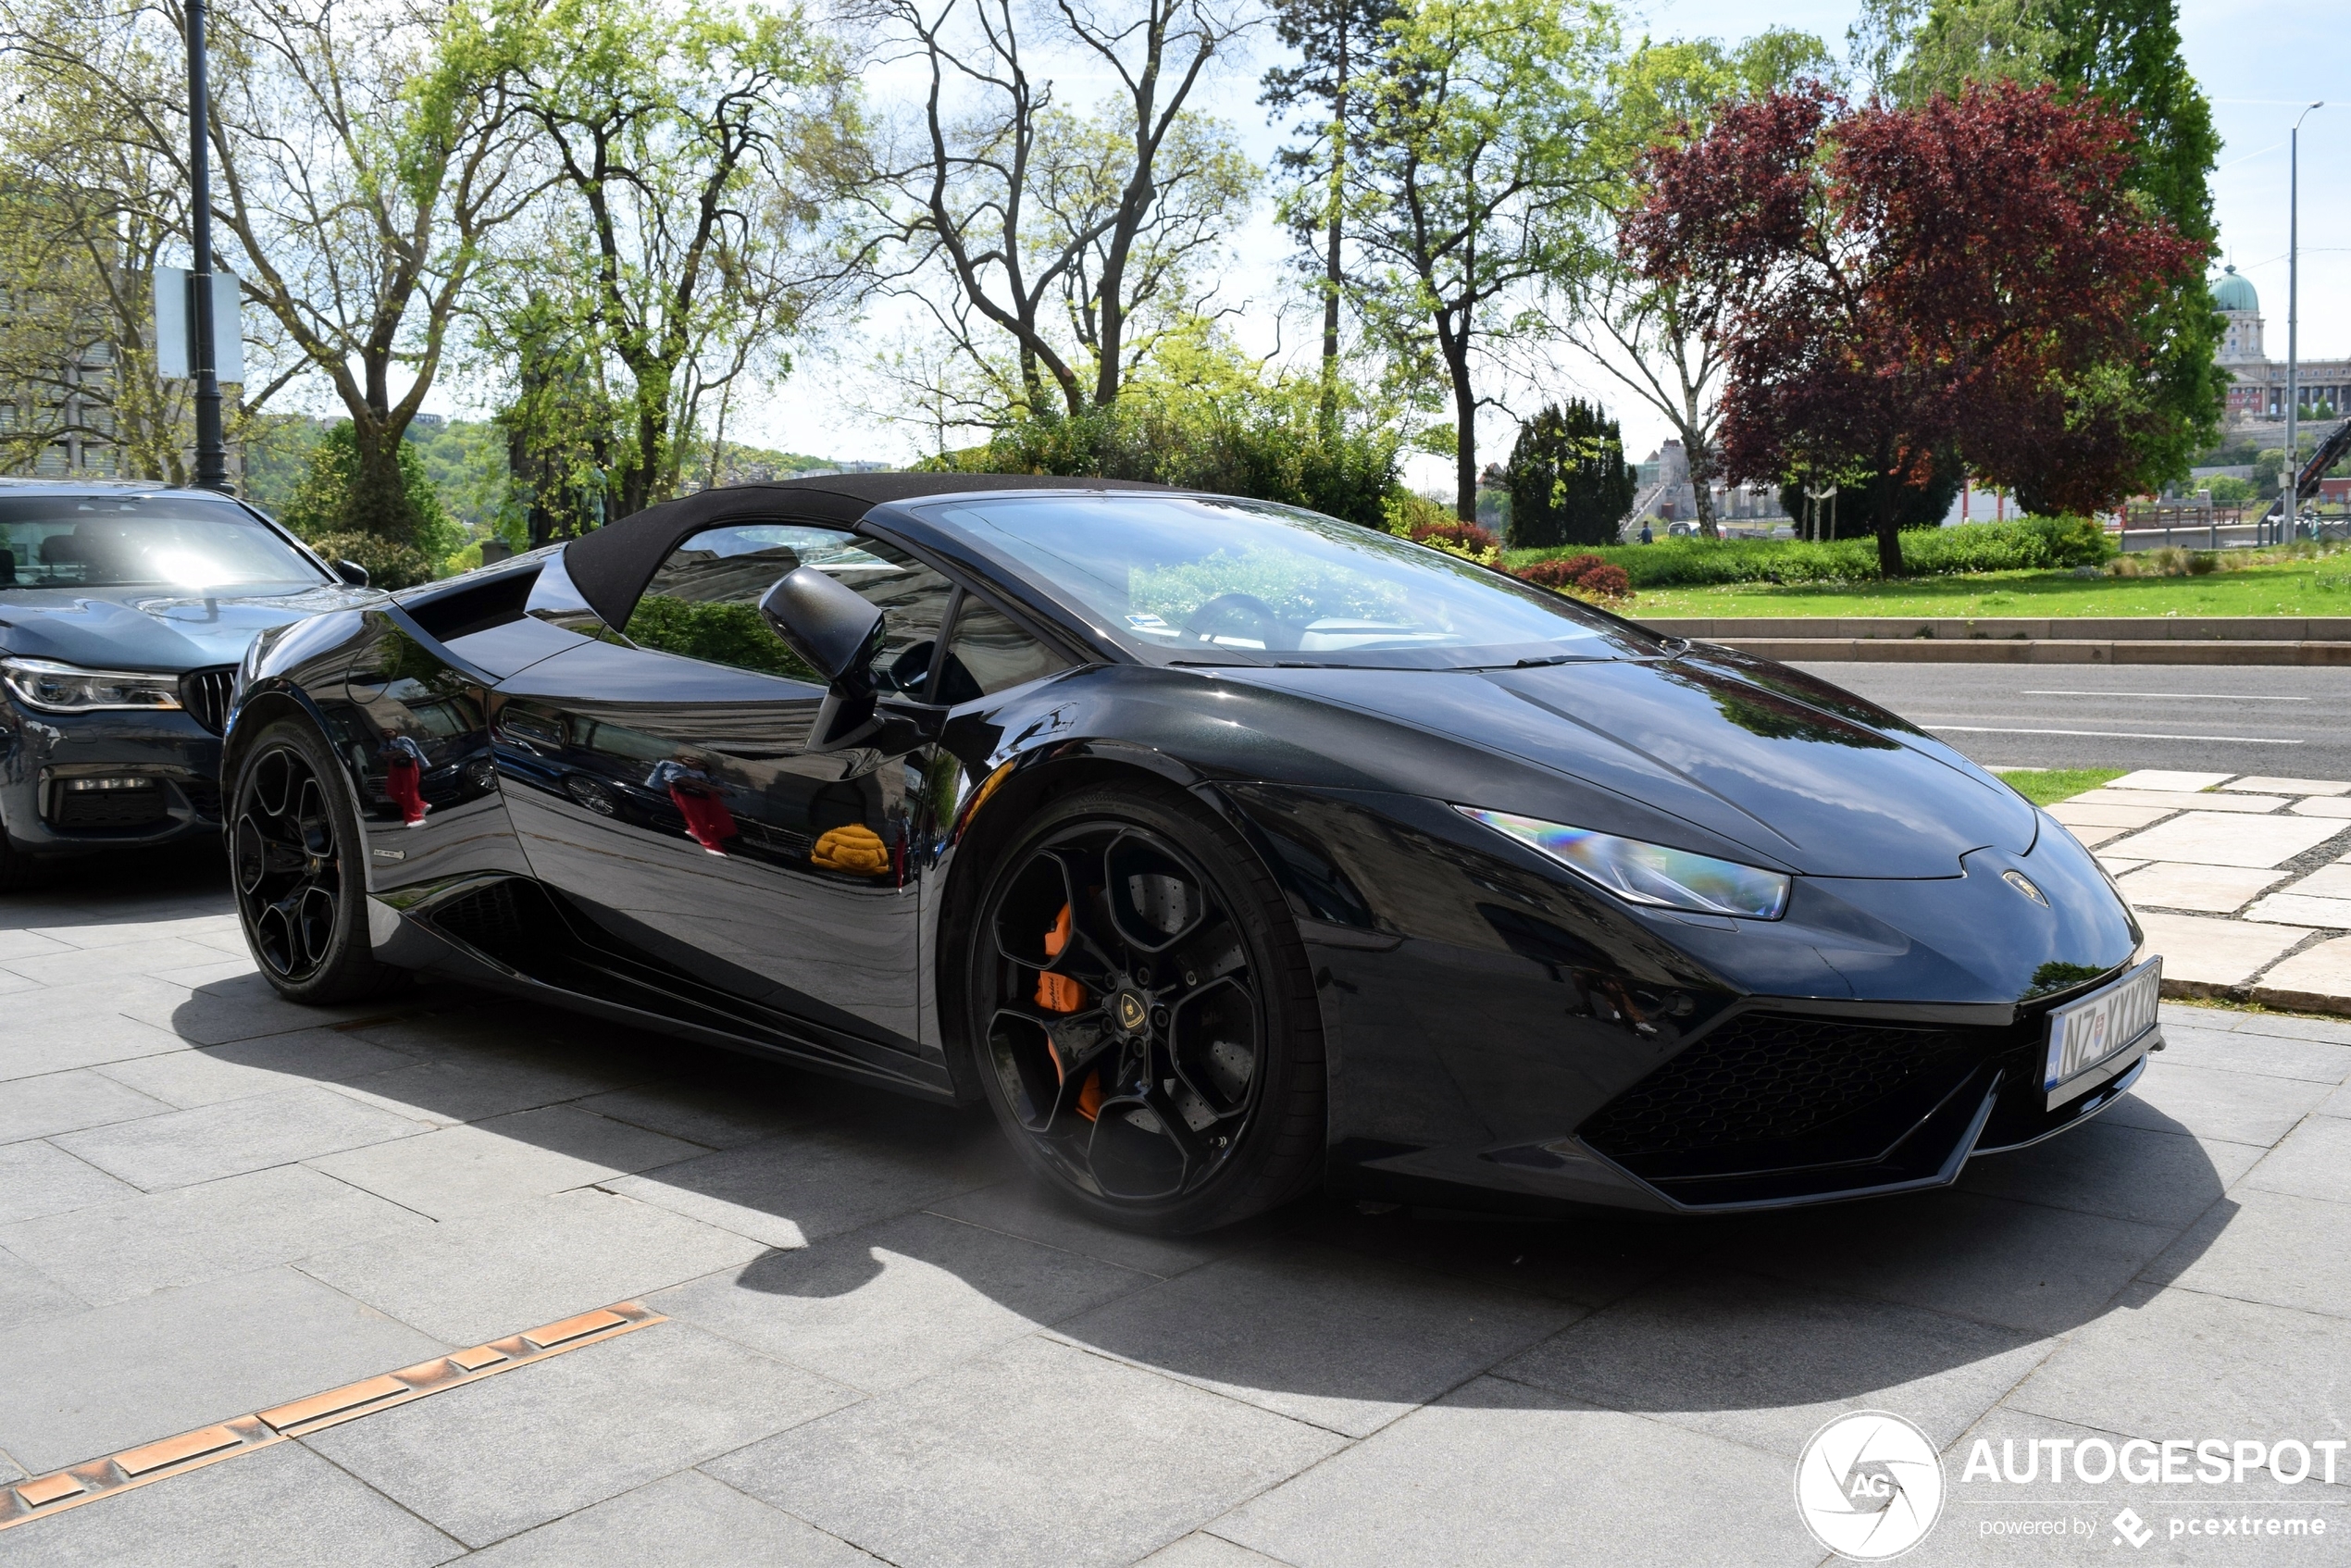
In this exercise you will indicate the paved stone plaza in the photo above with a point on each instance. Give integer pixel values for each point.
(873, 1342)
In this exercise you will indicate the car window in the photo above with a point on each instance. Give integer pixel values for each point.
(1210, 580)
(703, 601)
(988, 654)
(133, 539)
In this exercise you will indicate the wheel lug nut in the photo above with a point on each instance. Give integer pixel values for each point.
(1159, 1017)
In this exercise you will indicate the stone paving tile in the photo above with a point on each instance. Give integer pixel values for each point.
(151, 1241)
(682, 1520)
(126, 932)
(28, 944)
(2215, 889)
(1024, 1208)
(2338, 809)
(2260, 784)
(2227, 1106)
(208, 1074)
(10, 982)
(1591, 1261)
(57, 1028)
(1764, 1362)
(182, 1148)
(2269, 1056)
(881, 1307)
(711, 1115)
(527, 1155)
(2168, 779)
(474, 1087)
(2313, 1161)
(219, 968)
(76, 966)
(2326, 882)
(244, 1008)
(1554, 1482)
(2214, 838)
(69, 1101)
(2294, 909)
(2019, 1265)
(2316, 976)
(2123, 1171)
(1319, 1334)
(2203, 950)
(1205, 1550)
(790, 1191)
(2078, 814)
(284, 1504)
(28, 1296)
(502, 1455)
(227, 1347)
(2176, 1363)
(947, 1472)
(2173, 800)
(2270, 1247)
(39, 1179)
(503, 1270)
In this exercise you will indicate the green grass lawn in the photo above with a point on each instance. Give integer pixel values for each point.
(2045, 786)
(2319, 587)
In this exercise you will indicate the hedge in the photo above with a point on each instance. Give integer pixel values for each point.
(2032, 543)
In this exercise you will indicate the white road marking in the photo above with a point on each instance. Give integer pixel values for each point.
(2192, 696)
(2103, 734)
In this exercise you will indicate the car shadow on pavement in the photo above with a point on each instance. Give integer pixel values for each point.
(899, 1235)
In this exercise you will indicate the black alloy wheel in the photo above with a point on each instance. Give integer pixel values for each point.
(1146, 1029)
(293, 850)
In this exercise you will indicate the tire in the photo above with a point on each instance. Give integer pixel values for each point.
(296, 859)
(19, 871)
(1126, 925)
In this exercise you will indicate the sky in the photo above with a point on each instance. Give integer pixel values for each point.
(2260, 61)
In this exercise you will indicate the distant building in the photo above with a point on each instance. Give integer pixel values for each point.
(1662, 489)
(2257, 389)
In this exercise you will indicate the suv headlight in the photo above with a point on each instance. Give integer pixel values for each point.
(53, 688)
(1650, 874)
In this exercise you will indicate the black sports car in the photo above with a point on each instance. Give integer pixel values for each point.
(1220, 847)
(123, 612)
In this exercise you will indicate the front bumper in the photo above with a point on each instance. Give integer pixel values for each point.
(170, 765)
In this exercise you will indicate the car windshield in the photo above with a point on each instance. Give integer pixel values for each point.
(1198, 580)
(136, 540)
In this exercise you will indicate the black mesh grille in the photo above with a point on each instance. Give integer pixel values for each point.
(84, 809)
(1766, 1078)
(489, 918)
(203, 796)
(204, 693)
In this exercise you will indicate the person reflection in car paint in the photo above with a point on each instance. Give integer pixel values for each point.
(697, 799)
(405, 778)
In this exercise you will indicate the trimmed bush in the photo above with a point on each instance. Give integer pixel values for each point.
(2030, 544)
(1465, 536)
(388, 565)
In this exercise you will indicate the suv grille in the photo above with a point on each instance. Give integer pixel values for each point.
(204, 693)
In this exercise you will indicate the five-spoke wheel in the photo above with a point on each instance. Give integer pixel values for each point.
(1124, 1011)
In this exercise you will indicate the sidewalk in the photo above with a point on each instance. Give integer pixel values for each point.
(2242, 882)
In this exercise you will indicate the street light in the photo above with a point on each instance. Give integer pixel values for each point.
(211, 456)
(2289, 502)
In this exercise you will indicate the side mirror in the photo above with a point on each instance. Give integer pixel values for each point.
(840, 635)
(352, 572)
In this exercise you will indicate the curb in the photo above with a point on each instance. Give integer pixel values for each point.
(2268, 996)
(2061, 628)
(2033, 651)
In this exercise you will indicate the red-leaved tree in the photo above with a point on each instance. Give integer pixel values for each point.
(1968, 276)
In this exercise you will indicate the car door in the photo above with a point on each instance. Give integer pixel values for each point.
(668, 788)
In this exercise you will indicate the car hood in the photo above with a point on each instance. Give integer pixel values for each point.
(1810, 777)
(153, 630)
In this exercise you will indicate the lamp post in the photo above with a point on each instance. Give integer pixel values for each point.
(212, 454)
(2289, 502)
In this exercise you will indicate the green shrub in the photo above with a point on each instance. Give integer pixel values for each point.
(723, 632)
(323, 504)
(1693, 561)
(388, 565)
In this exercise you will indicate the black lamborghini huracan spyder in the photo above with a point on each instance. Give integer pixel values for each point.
(1220, 847)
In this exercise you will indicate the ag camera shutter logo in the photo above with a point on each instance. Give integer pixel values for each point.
(1869, 1486)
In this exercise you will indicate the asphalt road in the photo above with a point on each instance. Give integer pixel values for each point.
(2249, 719)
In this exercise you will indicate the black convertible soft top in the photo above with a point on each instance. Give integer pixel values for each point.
(610, 567)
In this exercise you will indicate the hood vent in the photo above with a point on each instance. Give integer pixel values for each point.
(206, 692)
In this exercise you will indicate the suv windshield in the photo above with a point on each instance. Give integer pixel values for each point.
(136, 540)
(1202, 580)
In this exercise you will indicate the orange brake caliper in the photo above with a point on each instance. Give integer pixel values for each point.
(1059, 993)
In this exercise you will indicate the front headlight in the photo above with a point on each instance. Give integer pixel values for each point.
(67, 689)
(1650, 874)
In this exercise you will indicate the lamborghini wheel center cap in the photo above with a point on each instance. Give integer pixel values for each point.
(1131, 1011)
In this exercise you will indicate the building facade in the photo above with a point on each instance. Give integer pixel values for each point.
(2256, 387)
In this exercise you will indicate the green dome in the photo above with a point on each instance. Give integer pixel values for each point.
(2233, 292)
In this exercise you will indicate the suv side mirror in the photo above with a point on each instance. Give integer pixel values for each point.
(352, 572)
(840, 635)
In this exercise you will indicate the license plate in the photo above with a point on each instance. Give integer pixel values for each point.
(2089, 1037)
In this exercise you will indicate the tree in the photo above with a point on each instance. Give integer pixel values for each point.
(2127, 55)
(1066, 242)
(1478, 180)
(695, 147)
(1567, 479)
(1338, 42)
(1871, 327)
(559, 427)
(1663, 339)
(321, 504)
